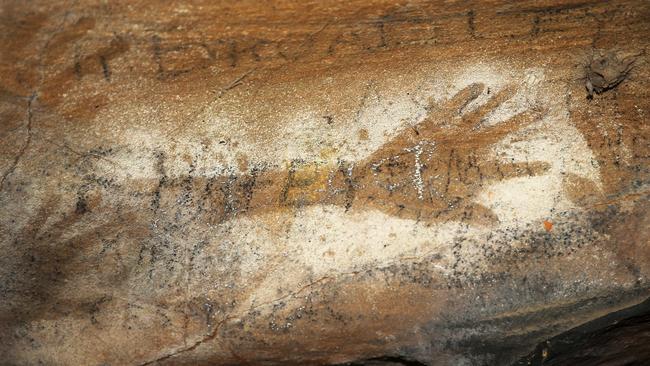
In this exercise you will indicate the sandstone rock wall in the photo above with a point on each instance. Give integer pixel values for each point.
(318, 182)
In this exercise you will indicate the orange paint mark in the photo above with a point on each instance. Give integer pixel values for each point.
(548, 225)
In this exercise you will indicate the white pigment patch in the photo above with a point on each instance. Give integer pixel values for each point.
(328, 241)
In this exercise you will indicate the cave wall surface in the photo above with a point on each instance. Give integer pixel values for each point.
(318, 182)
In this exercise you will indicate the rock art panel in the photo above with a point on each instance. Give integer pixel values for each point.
(448, 208)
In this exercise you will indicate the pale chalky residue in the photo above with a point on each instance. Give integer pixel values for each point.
(328, 241)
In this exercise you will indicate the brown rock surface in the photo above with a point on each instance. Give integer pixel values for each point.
(318, 182)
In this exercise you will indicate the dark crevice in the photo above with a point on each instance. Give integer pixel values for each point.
(617, 339)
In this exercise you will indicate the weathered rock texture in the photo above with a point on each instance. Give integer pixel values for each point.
(251, 182)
